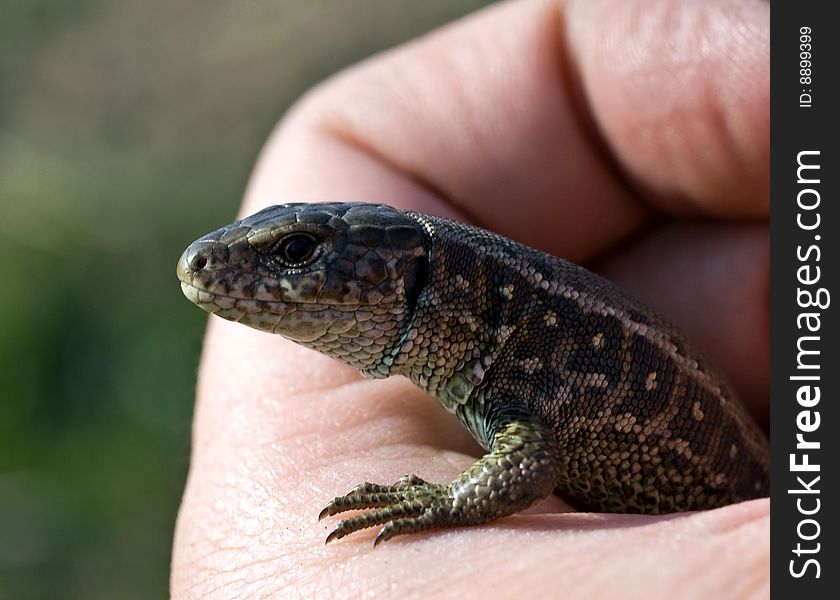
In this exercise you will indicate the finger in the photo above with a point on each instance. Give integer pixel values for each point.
(681, 93)
(476, 121)
(480, 119)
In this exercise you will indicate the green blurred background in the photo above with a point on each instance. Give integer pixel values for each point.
(127, 129)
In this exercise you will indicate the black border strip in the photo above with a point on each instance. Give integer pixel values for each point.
(805, 258)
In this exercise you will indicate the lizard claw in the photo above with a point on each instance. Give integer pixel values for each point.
(521, 469)
(408, 506)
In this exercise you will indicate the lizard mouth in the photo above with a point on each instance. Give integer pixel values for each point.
(209, 301)
(233, 308)
(300, 321)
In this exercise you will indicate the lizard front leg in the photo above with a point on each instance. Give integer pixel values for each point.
(520, 469)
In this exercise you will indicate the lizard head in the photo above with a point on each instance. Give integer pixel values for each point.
(340, 278)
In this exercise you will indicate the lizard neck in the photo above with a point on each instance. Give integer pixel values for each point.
(459, 318)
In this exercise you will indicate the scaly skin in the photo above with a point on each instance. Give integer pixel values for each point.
(571, 385)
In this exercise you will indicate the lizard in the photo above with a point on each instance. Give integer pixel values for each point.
(569, 384)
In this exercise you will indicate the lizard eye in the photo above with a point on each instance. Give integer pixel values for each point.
(296, 249)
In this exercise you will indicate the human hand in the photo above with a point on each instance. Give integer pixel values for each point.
(632, 137)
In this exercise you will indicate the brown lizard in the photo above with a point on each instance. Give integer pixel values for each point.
(569, 384)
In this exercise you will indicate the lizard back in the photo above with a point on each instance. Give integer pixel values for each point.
(645, 422)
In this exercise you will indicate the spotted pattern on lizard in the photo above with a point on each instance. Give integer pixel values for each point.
(570, 384)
